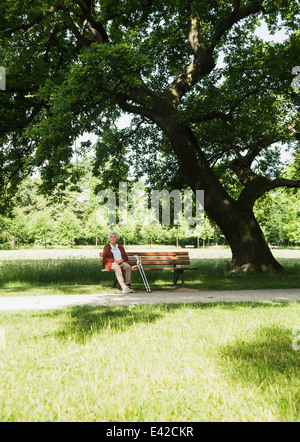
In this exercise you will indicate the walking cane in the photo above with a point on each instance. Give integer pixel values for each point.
(142, 273)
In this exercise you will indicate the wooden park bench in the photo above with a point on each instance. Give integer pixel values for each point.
(168, 261)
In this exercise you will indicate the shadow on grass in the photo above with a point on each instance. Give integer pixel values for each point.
(268, 367)
(265, 355)
(86, 321)
(35, 289)
(83, 322)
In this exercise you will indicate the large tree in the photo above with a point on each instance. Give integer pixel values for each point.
(75, 66)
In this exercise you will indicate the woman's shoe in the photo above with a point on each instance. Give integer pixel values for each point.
(126, 290)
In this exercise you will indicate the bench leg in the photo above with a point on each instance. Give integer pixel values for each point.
(176, 276)
(115, 280)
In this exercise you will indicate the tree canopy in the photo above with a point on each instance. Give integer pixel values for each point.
(75, 66)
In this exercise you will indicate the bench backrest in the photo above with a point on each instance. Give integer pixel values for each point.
(156, 258)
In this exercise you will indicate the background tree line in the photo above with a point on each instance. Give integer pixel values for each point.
(73, 216)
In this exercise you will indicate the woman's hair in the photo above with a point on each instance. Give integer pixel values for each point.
(115, 234)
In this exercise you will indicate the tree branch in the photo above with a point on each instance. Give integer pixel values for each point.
(284, 182)
(95, 27)
(259, 185)
(203, 64)
(131, 108)
(82, 40)
(145, 4)
(237, 6)
(237, 15)
(215, 115)
(241, 165)
(25, 26)
(52, 40)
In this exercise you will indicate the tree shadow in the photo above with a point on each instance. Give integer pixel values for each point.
(262, 357)
(85, 321)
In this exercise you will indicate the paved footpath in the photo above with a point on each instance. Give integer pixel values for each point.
(179, 296)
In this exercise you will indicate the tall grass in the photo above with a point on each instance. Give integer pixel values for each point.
(50, 271)
(83, 275)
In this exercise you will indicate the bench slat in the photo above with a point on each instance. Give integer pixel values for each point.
(159, 268)
(156, 262)
(161, 258)
(155, 253)
(157, 258)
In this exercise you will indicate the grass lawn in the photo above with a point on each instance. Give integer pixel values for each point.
(226, 362)
(83, 276)
(189, 362)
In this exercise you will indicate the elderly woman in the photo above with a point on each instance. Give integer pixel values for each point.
(115, 259)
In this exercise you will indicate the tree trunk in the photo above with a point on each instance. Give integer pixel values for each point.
(250, 250)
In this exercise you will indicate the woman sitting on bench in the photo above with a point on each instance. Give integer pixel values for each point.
(115, 259)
